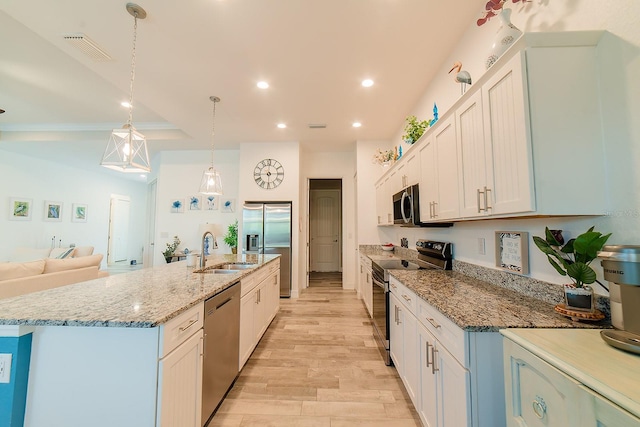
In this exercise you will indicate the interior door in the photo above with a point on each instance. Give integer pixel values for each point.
(118, 229)
(324, 230)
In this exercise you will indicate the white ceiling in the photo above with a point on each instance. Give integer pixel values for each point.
(314, 54)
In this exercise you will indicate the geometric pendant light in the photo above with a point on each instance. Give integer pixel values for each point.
(126, 150)
(211, 183)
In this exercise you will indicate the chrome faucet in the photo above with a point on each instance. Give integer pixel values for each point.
(203, 258)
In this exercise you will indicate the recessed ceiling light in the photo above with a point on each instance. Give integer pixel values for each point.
(282, 125)
(367, 83)
(125, 104)
(263, 85)
(356, 124)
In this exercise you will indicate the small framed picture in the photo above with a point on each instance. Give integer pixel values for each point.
(20, 209)
(512, 251)
(228, 205)
(52, 211)
(177, 206)
(195, 203)
(210, 203)
(79, 212)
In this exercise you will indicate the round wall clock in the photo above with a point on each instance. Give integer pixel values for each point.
(268, 174)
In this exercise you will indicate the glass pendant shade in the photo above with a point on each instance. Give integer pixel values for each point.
(127, 151)
(211, 183)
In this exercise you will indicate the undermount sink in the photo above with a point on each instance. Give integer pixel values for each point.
(227, 268)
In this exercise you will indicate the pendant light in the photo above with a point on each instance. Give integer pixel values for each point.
(127, 148)
(211, 182)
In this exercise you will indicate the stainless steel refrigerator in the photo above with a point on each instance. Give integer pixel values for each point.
(266, 229)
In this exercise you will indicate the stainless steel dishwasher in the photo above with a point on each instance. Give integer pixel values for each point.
(221, 347)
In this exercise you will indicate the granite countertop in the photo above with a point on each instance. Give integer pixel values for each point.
(476, 305)
(141, 299)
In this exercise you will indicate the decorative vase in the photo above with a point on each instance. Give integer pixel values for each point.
(234, 250)
(506, 36)
(580, 299)
(168, 259)
(386, 165)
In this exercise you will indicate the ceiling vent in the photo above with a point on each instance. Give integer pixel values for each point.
(317, 126)
(87, 46)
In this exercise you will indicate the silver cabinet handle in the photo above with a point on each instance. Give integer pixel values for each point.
(486, 198)
(539, 407)
(430, 210)
(433, 360)
(395, 314)
(435, 215)
(379, 219)
(406, 298)
(393, 286)
(427, 345)
(433, 322)
(190, 324)
(479, 193)
(398, 308)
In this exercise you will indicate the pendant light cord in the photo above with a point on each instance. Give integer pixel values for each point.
(213, 129)
(133, 67)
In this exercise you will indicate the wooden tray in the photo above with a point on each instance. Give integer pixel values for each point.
(576, 315)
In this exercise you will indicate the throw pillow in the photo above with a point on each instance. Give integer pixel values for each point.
(61, 253)
(83, 251)
(16, 270)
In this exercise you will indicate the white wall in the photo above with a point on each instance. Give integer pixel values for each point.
(620, 66)
(40, 180)
(288, 154)
(335, 165)
(178, 177)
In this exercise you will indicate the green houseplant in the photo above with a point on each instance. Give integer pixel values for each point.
(414, 129)
(231, 238)
(171, 249)
(572, 259)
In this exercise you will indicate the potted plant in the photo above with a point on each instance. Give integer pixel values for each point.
(231, 238)
(171, 249)
(573, 260)
(414, 129)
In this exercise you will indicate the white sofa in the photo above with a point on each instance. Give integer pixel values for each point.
(18, 278)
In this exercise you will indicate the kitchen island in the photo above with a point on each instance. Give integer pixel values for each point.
(107, 352)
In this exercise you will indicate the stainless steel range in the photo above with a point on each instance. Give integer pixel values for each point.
(431, 255)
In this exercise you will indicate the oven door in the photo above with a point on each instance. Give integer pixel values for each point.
(380, 317)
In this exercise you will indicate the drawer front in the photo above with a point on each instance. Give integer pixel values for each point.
(538, 394)
(248, 283)
(444, 330)
(404, 294)
(365, 260)
(177, 330)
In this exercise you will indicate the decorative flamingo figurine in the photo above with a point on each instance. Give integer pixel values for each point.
(463, 77)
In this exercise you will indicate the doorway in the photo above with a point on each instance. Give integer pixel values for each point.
(117, 249)
(325, 228)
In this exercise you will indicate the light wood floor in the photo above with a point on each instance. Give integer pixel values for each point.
(318, 365)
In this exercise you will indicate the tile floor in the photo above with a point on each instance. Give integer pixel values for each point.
(318, 365)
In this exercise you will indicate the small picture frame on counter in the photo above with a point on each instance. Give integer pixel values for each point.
(512, 251)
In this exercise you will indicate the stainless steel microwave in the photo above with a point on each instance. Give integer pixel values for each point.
(406, 207)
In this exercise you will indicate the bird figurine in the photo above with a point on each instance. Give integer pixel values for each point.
(463, 77)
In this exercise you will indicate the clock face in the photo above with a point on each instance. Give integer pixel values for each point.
(268, 173)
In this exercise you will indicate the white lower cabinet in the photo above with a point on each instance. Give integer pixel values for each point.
(538, 394)
(366, 284)
(453, 377)
(180, 384)
(259, 304)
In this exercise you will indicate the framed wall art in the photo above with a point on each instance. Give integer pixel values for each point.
(20, 209)
(210, 202)
(228, 205)
(177, 206)
(512, 251)
(195, 203)
(79, 212)
(52, 211)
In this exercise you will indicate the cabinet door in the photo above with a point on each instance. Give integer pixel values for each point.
(273, 291)
(453, 389)
(410, 353)
(446, 204)
(368, 290)
(596, 411)
(247, 337)
(506, 129)
(260, 312)
(180, 388)
(396, 337)
(428, 180)
(379, 202)
(412, 169)
(427, 406)
(472, 159)
(538, 394)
